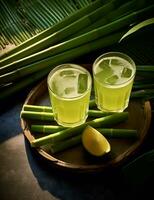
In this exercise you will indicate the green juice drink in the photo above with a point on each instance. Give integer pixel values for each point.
(69, 88)
(113, 79)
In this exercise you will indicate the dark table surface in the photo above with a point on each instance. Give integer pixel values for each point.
(23, 175)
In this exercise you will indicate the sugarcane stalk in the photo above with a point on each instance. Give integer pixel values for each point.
(98, 113)
(46, 128)
(143, 81)
(107, 132)
(145, 68)
(48, 109)
(107, 121)
(43, 116)
(146, 93)
(92, 103)
(145, 74)
(119, 133)
(36, 108)
(63, 145)
(45, 113)
(143, 86)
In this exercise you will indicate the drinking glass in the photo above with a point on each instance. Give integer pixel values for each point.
(69, 87)
(113, 74)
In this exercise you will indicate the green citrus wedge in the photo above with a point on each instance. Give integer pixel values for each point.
(94, 142)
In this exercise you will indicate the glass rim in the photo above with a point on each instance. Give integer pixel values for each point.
(73, 66)
(120, 55)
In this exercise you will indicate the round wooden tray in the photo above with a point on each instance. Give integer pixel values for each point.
(76, 158)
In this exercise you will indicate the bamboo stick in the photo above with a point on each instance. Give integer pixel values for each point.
(69, 132)
(42, 116)
(109, 133)
(45, 113)
(146, 93)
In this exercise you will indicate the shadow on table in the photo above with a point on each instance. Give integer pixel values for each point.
(108, 185)
(10, 109)
(68, 185)
(10, 123)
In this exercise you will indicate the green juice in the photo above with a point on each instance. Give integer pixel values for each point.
(69, 91)
(113, 80)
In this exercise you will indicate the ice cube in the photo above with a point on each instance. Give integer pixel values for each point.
(69, 90)
(56, 88)
(82, 83)
(67, 73)
(105, 72)
(126, 72)
(104, 64)
(116, 62)
(117, 65)
(112, 79)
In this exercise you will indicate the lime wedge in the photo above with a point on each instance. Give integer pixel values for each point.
(94, 142)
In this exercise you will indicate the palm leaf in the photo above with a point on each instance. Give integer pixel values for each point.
(138, 27)
(139, 45)
(20, 20)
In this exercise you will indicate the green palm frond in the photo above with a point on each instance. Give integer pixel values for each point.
(20, 20)
(49, 32)
(138, 27)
